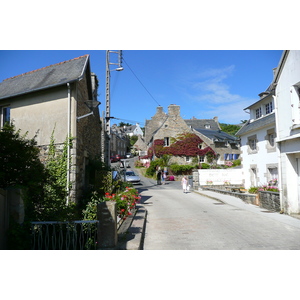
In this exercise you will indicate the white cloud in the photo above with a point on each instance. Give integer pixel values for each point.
(214, 98)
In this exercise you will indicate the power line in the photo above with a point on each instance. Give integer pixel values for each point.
(140, 81)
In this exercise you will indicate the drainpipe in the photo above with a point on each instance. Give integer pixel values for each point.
(68, 145)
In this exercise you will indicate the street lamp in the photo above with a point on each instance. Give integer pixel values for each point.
(107, 107)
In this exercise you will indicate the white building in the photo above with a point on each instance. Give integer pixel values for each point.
(287, 106)
(258, 146)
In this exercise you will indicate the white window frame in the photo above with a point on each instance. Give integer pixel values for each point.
(2, 115)
(166, 141)
(258, 113)
(269, 108)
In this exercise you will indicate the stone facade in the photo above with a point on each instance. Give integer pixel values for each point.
(269, 200)
(168, 126)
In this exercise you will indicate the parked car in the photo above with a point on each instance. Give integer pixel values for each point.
(128, 155)
(132, 177)
(119, 157)
(113, 159)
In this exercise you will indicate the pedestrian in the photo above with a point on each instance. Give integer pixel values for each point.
(184, 184)
(158, 177)
(164, 177)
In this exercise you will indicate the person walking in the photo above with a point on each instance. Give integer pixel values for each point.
(184, 184)
(158, 177)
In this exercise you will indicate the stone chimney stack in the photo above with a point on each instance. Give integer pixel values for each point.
(174, 110)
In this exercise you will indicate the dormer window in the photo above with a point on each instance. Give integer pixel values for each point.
(269, 108)
(258, 113)
(207, 126)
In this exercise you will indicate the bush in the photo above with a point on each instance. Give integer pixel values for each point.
(182, 169)
(152, 168)
(253, 190)
(205, 166)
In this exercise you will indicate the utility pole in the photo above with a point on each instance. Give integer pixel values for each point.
(107, 102)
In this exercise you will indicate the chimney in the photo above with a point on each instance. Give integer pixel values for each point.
(159, 110)
(174, 110)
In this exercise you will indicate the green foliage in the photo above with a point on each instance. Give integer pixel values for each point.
(230, 129)
(19, 161)
(181, 169)
(152, 168)
(205, 166)
(236, 162)
(133, 139)
(253, 190)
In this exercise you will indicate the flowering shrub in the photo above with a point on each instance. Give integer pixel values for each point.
(228, 163)
(209, 182)
(268, 188)
(125, 202)
(186, 144)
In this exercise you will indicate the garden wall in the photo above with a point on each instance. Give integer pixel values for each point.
(220, 176)
(269, 200)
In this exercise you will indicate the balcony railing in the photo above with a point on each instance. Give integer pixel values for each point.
(75, 235)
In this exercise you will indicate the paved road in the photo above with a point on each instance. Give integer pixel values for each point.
(191, 221)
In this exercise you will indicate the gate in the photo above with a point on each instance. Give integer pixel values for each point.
(76, 235)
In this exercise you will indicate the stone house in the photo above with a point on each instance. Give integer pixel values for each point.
(119, 141)
(258, 141)
(61, 98)
(133, 130)
(167, 126)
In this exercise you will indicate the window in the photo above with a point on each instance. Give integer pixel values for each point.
(258, 113)
(5, 115)
(252, 144)
(269, 108)
(201, 158)
(271, 139)
(187, 159)
(166, 142)
(273, 175)
(295, 104)
(207, 126)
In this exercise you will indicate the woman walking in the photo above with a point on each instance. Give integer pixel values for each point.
(184, 184)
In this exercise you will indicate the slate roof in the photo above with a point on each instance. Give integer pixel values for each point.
(217, 135)
(257, 124)
(51, 76)
(200, 123)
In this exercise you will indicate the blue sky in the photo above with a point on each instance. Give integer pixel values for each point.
(205, 83)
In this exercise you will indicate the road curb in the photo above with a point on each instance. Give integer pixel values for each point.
(137, 229)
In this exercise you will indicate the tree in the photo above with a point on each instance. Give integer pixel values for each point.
(19, 161)
(230, 129)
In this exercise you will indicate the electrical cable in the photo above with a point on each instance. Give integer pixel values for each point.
(140, 81)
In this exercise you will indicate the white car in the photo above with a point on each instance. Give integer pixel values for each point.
(132, 177)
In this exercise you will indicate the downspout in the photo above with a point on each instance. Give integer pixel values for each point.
(68, 141)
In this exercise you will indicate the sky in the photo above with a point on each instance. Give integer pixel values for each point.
(204, 83)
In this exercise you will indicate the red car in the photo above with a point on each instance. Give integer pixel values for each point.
(113, 159)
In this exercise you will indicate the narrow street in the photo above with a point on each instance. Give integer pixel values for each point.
(178, 221)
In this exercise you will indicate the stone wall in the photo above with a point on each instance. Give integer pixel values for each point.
(269, 200)
(248, 198)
